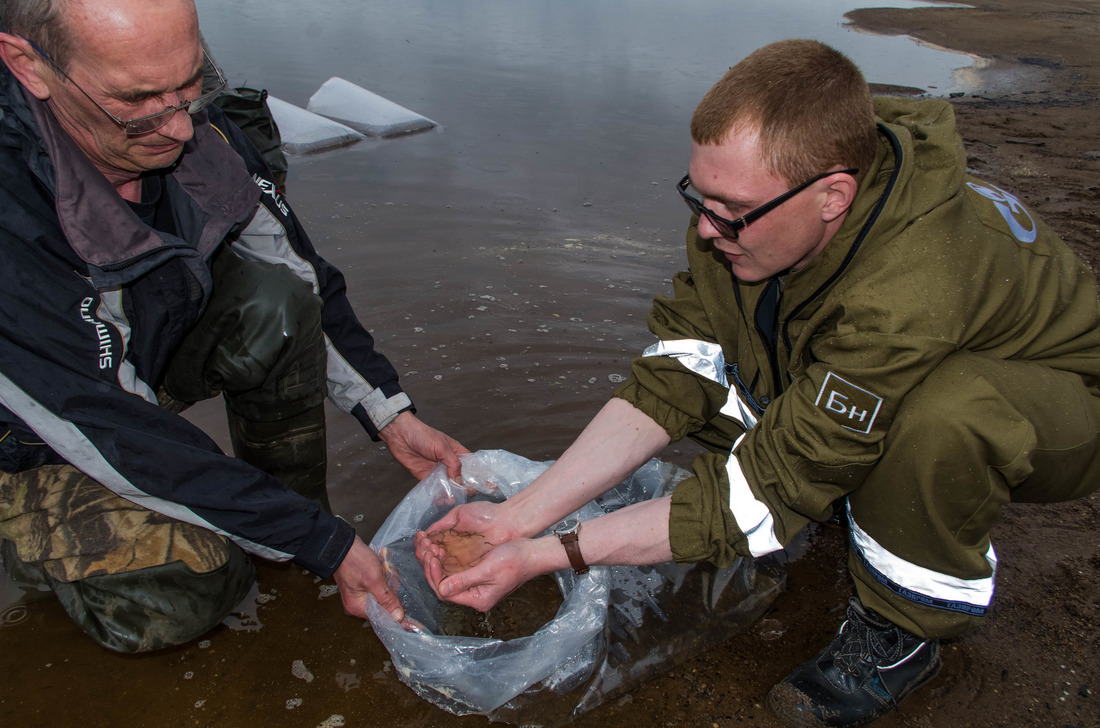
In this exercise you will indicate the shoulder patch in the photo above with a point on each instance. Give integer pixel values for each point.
(1015, 215)
(851, 407)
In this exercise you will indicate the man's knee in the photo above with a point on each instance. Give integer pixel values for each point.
(277, 320)
(1035, 428)
(156, 607)
(260, 339)
(133, 579)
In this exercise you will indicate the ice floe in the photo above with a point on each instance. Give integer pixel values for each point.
(364, 110)
(303, 131)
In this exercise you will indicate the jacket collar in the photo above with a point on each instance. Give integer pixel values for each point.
(210, 180)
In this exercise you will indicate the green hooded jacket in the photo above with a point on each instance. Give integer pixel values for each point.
(929, 261)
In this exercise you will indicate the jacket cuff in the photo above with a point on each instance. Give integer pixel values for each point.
(676, 423)
(327, 545)
(701, 527)
(376, 415)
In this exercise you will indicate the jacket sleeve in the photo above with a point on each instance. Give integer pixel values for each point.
(70, 387)
(361, 381)
(682, 390)
(682, 384)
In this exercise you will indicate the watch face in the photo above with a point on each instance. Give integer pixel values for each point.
(569, 525)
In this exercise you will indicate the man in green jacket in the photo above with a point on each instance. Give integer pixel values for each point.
(864, 332)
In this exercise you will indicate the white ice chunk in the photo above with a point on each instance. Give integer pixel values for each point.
(363, 110)
(303, 131)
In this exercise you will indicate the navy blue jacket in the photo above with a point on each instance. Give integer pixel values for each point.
(93, 302)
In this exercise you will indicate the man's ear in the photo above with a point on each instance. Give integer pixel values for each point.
(25, 63)
(839, 196)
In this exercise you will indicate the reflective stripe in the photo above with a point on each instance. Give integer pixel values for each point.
(702, 357)
(69, 442)
(736, 409)
(918, 584)
(706, 359)
(753, 516)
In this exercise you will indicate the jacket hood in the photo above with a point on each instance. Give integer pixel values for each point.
(920, 164)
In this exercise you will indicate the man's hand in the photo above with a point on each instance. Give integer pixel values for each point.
(361, 573)
(482, 518)
(635, 535)
(503, 570)
(462, 549)
(419, 447)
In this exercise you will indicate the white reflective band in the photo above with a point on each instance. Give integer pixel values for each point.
(702, 357)
(707, 360)
(735, 408)
(753, 517)
(976, 592)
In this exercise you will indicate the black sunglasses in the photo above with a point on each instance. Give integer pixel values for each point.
(731, 228)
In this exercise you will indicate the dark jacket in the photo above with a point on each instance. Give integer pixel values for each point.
(93, 302)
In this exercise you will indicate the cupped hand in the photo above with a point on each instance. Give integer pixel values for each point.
(461, 549)
(503, 570)
(472, 529)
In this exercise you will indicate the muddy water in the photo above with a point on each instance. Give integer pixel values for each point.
(520, 614)
(504, 261)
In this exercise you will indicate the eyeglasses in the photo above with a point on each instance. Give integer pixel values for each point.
(731, 228)
(151, 122)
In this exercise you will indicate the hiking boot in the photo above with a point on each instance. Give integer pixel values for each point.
(861, 676)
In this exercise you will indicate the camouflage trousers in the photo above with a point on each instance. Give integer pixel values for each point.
(73, 528)
(137, 580)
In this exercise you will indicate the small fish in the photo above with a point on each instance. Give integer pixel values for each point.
(411, 625)
(393, 576)
(464, 549)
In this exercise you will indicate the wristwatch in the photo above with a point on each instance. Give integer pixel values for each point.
(568, 531)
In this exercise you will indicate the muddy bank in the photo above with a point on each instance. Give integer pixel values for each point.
(512, 336)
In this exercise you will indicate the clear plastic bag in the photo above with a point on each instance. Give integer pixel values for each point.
(616, 626)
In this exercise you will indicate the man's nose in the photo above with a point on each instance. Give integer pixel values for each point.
(178, 128)
(706, 229)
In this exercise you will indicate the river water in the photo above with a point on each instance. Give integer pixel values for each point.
(504, 261)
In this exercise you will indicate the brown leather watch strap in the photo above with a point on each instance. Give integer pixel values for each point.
(571, 542)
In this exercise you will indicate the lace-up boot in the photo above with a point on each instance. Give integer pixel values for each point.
(868, 668)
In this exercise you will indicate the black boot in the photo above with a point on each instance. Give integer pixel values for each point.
(293, 450)
(861, 676)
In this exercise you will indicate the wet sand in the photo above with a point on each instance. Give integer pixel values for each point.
(507, 361)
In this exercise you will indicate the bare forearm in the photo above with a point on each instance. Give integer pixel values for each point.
(633, 536)
(619, 439)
